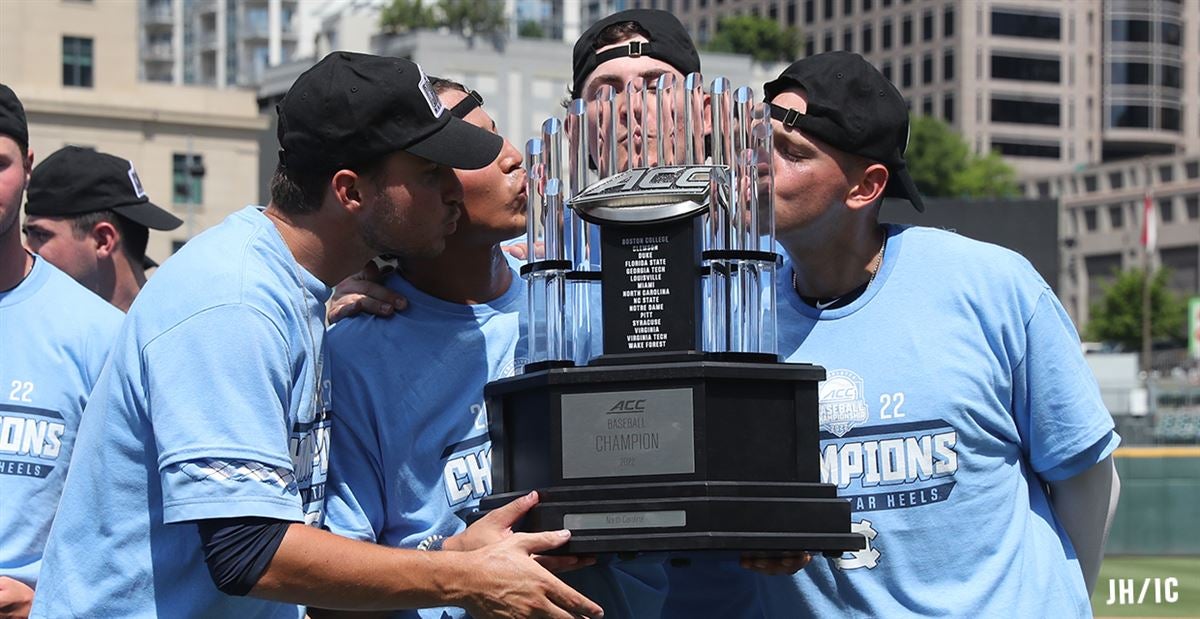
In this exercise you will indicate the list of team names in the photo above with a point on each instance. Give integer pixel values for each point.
(645, 272)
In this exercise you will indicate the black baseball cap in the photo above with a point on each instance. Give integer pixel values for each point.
(669, 42)
(12, 117)
(76, 181)
(853, 108)
(350, 108)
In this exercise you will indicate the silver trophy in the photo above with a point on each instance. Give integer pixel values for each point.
(657, 125)
(651, 326)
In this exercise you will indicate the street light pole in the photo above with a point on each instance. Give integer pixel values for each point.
(1148, 246)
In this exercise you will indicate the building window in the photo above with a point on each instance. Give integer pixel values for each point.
(1026, 111)
(948, 21)
(1043, 189)
(927, 69)
(828, 41)
(828, 9)
(866, 5)
(1116, 216)
(1130, 30)
(948, 108)
(809, 48)
(1170, 76)
(1166, 173)
(847, 7)
(1168, 118)
(927, 105)
(1192, 169)
(1089, 219)
(886, 43)
(848, 40)
(906, 30)
(1026, 25)
(77, 62)
(791, 12)
(1089, 183)
(1192, 204)
(1133, 116)
(1138, 73)
(948, 65)
(810, 12)
(1166, 210)
(1013, 148)
(1116, 180)
(887, 70)
(188, 178)
(1026, 69)
(1172, 35)
(906, 76)
(868, 39)
(927, 26)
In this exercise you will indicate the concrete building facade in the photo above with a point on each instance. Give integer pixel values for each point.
(1048, 85)
(215, 42)
(75, 67)
(522, 85)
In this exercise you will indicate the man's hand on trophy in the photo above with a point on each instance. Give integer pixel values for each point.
(776, 565)
(497, 525)
(364, 292)
(520, 251)
(515, 585)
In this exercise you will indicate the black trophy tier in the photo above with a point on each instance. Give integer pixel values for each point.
(654, 445)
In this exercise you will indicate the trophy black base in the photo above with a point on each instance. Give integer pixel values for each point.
(691, 455)
(762, 518)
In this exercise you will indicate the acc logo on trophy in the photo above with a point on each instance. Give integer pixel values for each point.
(843, 405)
(652, 194)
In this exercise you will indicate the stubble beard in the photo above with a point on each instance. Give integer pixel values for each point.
(386, 216)
(8, 224)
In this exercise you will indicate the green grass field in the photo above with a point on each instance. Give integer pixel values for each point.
(1185, 569)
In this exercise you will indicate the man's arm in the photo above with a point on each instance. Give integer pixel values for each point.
(1085, 504)
(364, 293)
(16, 598)
(318, 568)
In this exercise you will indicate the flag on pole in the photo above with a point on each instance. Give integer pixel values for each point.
(1149, 224)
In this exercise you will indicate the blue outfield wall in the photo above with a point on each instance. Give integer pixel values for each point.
(1159, 511)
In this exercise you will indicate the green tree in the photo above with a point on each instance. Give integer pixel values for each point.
(986, 176)
(758, 37)
(473, 18)
(942, 164)
(406, 15)
(1117, 316)
(530, 29)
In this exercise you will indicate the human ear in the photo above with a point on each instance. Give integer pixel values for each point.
(869, 187)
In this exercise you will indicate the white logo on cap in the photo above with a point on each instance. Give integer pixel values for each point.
(435, 104)
(137, 182)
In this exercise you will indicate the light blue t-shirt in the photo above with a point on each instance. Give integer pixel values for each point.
(213, 405)
(54, 337)
(956, 388)
(412, 456)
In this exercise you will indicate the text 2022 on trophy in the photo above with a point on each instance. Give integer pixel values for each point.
(654, 414)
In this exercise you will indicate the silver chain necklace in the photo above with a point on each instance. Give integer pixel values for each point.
(877, 262)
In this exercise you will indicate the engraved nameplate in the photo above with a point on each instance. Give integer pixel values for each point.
(626, 520)
(625, 433)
